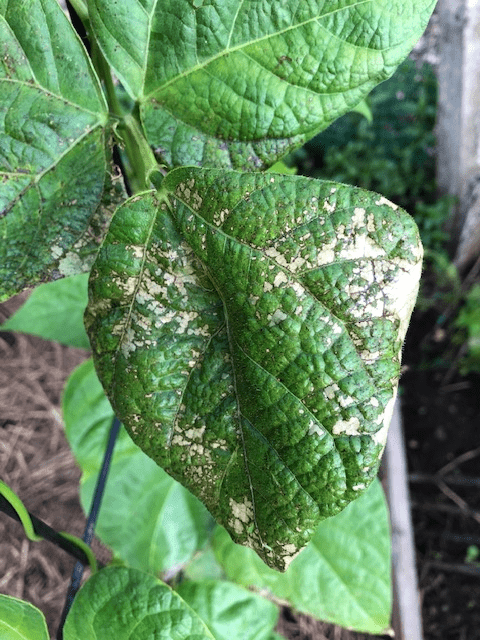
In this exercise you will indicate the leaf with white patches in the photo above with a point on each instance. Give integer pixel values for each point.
(247, 329)
(53, 164)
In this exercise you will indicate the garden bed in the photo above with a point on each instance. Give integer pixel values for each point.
(441, 428)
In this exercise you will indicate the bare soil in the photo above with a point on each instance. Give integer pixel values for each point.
(36, 462)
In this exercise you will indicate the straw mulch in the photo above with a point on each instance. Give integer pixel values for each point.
(36, 462)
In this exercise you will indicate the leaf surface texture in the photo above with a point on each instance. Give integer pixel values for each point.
(238, 83)
(52, 157)
(247, 329)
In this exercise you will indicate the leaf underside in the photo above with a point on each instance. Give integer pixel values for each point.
(247, 329)
(237, 84)
(52, 156)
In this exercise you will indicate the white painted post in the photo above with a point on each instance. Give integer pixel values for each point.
(458, 121)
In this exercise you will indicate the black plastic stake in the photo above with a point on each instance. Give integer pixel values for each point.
(77, 573)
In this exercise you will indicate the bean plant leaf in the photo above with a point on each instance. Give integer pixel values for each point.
(230, 611)
(343, 576)
(54, 311)
(119, 604)
(238, 83)
(20, 620)
(149, 520)
(250, 340)
(52, 127)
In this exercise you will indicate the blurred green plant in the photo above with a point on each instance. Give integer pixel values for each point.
(468, 324)
(473, 553)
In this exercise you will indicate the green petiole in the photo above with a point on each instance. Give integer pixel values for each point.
(26, 521)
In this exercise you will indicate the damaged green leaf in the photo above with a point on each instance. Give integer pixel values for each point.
(247, 329)
(52, 158)
(239, 84)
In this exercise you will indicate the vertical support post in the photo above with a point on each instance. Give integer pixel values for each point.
(407, 611)
(458, 121)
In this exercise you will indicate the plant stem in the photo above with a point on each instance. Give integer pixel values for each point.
(81, 10)
(103, 69)
(141, 160)
(140, 155)
(47, 533)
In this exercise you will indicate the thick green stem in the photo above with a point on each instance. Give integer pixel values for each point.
(142, 162)
(103, 70)
(141, 165)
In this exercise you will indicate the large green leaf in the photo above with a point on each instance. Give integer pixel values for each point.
(229, 611)
(54, 311)
(344, 574)
(52, 127)
(20, 620)
(250, 341)
(147, 518)
(120, 604)
(238, 83)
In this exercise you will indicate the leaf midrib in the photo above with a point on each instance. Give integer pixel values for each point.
(271, 260)
(232, 339)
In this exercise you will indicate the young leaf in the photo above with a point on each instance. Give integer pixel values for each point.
(344, 574)
(237, 84)
(149, 520)
(52, 157)
(54, 311)
(250, 341)
(229, 611)
(20, 620)
(123, 603)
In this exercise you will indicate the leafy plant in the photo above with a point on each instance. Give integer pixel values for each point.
(392, 152)
(349, 554)
(468, 321)
(245, 325)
